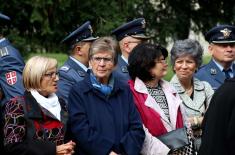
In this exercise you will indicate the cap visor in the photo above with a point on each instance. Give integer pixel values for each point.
(223, 41)
(90, 39)
(140, 36)
(4, 17)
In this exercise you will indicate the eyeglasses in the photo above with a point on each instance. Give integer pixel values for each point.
(52, 74)
(98, 59)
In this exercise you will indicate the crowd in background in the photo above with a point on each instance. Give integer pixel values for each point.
(110, 98)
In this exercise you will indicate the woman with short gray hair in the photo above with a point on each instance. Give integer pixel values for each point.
(186, 57)
(187, 47)
(102, 113)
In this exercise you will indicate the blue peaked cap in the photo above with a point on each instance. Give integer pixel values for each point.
(134, 28)
(82, 33)
(221, 34)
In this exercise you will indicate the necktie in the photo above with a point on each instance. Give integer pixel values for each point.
(226, 72)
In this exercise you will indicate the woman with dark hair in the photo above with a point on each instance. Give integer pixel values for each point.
(156, 100)
(186, 57)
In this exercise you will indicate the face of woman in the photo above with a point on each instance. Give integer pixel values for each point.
(49, 82)
(160, 68)
(185, 67)
(102, 65)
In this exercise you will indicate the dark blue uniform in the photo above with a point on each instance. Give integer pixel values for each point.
(222, 36)
(212, 74)
(70, 73)
(11, 68)
(121, 70)
(134, 29)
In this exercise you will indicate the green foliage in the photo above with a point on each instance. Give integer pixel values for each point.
(40, 25)
(60, 57)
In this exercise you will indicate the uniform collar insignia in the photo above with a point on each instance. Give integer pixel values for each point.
(213, 71)
(81, 73)
(226, 32)
(124, 69)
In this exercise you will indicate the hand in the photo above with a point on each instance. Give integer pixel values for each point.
(195, 121)
(65, 149)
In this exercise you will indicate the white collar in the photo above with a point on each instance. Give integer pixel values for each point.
(51, 103)
(79, 63)
(126, 60)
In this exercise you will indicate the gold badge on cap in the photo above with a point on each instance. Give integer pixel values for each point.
(89, 27)
(226, 32)
(143, 23)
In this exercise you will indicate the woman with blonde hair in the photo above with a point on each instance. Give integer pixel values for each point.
(35, 123)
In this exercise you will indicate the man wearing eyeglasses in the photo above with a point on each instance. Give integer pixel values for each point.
(221, 40)
(128, 36)
(75, 68)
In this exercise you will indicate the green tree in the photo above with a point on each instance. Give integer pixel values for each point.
(40, 25)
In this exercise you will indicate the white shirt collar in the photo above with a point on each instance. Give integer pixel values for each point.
(79, 63)
(126, 60)
(221, 67)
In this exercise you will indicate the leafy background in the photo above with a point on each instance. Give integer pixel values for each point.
(40, 25)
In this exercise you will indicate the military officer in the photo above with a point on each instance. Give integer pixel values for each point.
(11, 66)
(75, 68)
(128, 36)
(221, 40)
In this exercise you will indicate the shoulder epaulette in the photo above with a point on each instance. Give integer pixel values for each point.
(65, 68)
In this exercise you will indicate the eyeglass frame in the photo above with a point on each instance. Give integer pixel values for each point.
(105, 59)
(51, 74)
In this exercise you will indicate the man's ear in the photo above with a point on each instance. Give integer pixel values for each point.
(89, 63)
(210, 49)
(78, 50)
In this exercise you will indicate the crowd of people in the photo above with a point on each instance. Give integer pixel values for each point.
(110, 96)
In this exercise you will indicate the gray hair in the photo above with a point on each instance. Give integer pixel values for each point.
(107, 44)
(187, 47)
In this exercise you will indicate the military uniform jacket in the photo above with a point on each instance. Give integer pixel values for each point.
(212, 74)
(70, 73)
(32, 130)
(11, 68)
(103, 123)
(202, 95)
(121, 70)
(218, 126)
